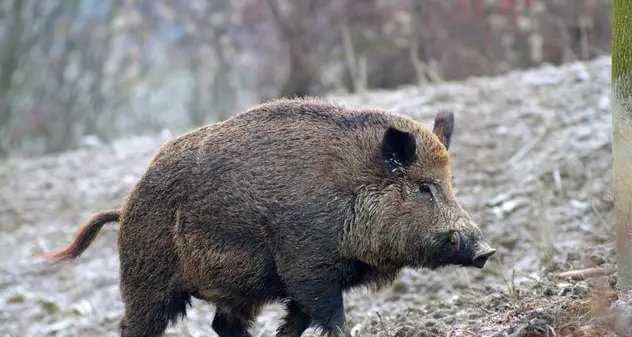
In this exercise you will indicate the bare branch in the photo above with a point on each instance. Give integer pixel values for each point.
(583, 274)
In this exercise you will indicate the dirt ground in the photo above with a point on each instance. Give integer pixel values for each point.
(532, 162)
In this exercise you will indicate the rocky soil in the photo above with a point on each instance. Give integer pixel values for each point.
(532, 162)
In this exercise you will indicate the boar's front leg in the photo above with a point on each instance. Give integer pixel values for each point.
(231, 325)
(295, 322)
(320, 299)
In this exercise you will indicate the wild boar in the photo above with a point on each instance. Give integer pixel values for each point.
(293, 200)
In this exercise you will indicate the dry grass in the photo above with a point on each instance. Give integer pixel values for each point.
(590, 312)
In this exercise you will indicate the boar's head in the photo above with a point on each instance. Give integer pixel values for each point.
(412, 217)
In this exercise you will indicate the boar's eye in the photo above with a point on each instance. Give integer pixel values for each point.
(427, 189)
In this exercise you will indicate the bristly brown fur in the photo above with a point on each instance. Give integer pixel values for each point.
(84, 236)
(293, 200)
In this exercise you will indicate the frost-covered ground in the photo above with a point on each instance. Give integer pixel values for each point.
(532, 162)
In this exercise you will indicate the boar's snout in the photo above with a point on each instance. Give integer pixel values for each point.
(482, 254)
(460, 247)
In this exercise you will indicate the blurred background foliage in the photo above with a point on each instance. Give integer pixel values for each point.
(83, 71)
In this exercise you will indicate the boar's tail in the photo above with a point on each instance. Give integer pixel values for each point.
(84, 237)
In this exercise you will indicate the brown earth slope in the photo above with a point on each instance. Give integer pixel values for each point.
(532, 162)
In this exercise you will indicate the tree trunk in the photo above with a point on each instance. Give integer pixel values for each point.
(98, 61)
(197, 114)
(223, 94)
(8, 63)
(622, 136)
(295, 32)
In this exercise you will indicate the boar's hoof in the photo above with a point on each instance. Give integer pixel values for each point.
(480, 259)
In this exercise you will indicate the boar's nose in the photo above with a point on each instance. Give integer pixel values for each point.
(481, 258)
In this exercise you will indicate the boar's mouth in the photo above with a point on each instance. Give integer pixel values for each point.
(471, 251)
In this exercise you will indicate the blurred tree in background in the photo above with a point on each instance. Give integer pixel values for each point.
(120, 67)
(622, 137)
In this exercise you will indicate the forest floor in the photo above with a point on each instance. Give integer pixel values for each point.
(531, 156)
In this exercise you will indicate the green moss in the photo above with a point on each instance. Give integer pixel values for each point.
(16, 299)
(621, 46)
(49, 306)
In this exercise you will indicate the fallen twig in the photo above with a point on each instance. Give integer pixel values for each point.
(527, 148)
(485, 310)
(382, 324)
(550, 332)
(583, 274)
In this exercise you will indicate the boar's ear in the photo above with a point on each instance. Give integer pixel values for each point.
(398, 150)
(443, 127)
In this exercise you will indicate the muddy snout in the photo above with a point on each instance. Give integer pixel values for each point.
(482, 253)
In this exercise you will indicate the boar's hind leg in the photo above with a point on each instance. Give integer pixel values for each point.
(226, 325)
(145, 316)
(296, 321)
(151, 294)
